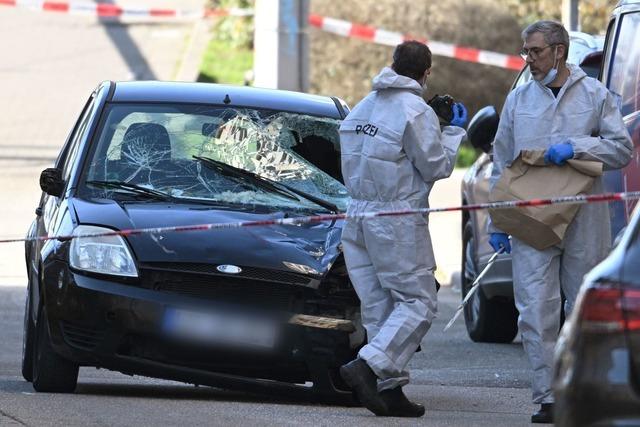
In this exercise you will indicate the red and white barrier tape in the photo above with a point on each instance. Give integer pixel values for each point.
(576, 200)
(108, 10)
(389, 38)
(331, 25)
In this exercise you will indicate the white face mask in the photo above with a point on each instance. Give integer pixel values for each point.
(424, 83)
(553, 73)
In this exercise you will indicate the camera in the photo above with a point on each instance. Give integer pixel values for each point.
(443, 106)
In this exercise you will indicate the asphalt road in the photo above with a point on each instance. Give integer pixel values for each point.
(49, 64)
(461, 384)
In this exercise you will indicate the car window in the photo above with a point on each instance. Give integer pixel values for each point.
(74, 144)
(608, 49)
(625, 71)
(62, 157)
(154, 146)
(523, 77)
(591, 70)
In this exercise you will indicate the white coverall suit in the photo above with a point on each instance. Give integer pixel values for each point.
(392, 152)
(585, 114)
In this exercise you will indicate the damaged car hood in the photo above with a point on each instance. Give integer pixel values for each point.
(279, 247)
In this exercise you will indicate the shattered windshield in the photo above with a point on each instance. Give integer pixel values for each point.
(172, 149)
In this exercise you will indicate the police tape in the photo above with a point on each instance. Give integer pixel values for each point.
(580, 199)
(327, 24)
(109, 10)
(389, 38)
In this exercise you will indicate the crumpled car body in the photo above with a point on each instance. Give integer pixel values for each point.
(257, 308)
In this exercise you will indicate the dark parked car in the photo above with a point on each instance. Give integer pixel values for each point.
(491, 315)
(597, 367)
(257, 307)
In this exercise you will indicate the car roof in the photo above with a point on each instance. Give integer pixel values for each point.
(582, 44)
(228, 95)
(626, 2)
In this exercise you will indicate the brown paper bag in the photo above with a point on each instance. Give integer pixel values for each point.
(529, 177)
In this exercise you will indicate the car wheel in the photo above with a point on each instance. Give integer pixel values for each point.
(28, 332)
(51, 372)
(492, 320)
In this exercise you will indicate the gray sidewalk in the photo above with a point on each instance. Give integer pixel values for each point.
(50, 64)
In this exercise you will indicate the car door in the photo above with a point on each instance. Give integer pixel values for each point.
(48, 211)
(622, 77)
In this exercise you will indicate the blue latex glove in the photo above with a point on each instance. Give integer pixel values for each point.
(499, 240)
(459, 115)
(558, 154)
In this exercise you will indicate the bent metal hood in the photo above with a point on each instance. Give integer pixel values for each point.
(389, 79)
(315, 246)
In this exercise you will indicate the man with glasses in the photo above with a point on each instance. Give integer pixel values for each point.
(568, 115)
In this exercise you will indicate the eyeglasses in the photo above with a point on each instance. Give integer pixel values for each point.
(534, 52)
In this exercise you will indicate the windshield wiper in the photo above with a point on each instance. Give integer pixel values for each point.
(317, 200)
(233, 171)
(266, 182)
(133, 188)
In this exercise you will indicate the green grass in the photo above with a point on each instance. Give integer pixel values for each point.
(224, 63)
(466, 156)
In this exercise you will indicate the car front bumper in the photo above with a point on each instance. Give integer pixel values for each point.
(498, 281)
(103, 323)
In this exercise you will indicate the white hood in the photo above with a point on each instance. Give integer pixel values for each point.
(389, 79)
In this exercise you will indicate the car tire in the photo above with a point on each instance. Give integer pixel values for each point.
(28, 332)
(493, 320)
(51, 372)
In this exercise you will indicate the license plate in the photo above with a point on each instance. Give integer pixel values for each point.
(219, 328)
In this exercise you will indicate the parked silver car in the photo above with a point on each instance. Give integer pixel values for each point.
(491, 315)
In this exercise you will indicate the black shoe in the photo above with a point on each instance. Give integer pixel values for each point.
(544, 415)
(399, 405)
(364, 383)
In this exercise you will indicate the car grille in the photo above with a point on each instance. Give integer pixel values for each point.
(233, 290)
(81, 336)
(253, 273)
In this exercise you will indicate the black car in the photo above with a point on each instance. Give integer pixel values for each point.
(597, 366)
(254, 307)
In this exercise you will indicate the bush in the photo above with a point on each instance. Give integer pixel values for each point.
(229, 54)
(223, 64)
(466, 156)
(344, 67)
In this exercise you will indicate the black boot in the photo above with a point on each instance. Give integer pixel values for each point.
(399, 405)
(544, 415)
(364, 384)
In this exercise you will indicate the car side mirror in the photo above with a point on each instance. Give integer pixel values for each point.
(483, 127)
(51, 182)
(592, 63)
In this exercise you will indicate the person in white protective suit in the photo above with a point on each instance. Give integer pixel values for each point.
(570, 116)
(393, 150)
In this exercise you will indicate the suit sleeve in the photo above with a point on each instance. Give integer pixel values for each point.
(432, 151)
(612, 146)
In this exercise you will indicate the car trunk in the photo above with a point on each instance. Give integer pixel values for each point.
(630, 290)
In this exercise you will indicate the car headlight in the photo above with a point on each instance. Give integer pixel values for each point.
(103, 254)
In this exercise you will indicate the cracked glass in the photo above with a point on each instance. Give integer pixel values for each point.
(202, 154)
